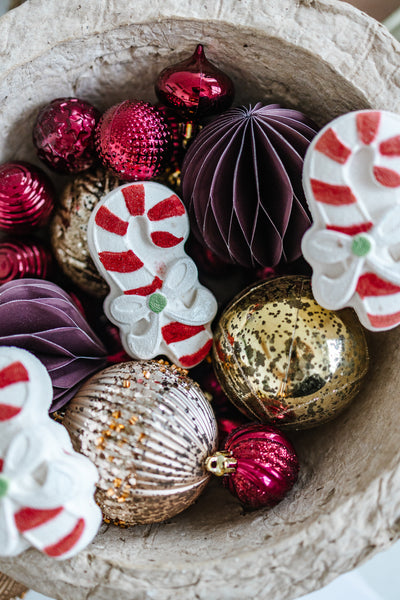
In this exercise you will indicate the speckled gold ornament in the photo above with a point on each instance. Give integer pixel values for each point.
(283, 359)
(69, 228)
(148, 428)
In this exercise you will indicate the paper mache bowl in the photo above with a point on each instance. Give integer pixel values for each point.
(320, 56)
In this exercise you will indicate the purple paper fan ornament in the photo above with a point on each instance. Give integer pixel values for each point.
(40, 317)
(242, 184)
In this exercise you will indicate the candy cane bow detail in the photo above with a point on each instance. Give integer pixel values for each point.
(136, 238)
(46, 489)
(351, 179)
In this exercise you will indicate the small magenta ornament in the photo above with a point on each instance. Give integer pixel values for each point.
(258, 464)
(63, 134)
(134, 140)
(195, 88)
(23, 258)
(26, 197)
(352, 184)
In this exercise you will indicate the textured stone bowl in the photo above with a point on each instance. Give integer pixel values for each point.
(324, 57)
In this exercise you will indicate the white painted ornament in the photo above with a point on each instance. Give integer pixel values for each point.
(351, 179)
(46, 489)
(136, 237)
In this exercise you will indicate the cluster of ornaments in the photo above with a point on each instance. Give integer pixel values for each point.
(260, 188)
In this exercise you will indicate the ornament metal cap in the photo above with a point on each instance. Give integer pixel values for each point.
(221, 463)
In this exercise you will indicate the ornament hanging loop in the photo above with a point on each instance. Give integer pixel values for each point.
(221, 463)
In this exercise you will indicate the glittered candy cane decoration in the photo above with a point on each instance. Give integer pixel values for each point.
(351, 179)
(46, 489)
(136, 237)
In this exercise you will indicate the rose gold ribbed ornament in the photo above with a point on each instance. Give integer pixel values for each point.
(10, 589)
(148, 428)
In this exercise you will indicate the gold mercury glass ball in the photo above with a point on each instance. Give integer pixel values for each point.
(68, 229)
(148, 428)
(283, 359)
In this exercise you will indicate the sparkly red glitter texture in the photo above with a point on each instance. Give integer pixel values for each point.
(23, 258)
(64, 134)
(267, 465)
(26, 197)
(133, 140)
(195, 87)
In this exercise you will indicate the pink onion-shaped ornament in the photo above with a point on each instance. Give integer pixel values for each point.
(242, 185)
(134, 140)
(40, 317)
(26, 197)
(24, 258)
(195, 88)
(63, 134)
(259, 465)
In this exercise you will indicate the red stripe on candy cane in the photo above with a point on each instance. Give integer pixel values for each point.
(390, 147)
(120, 262)
(368, 126)
(107, 220)
(330, 145)
(68, 542)
(164, 239)
(177, 332)
(351, 229)
(170, 207)
(193, 359)
(370, 284)
(387, 177)
(29, 518)
(134, 199)
(1, 465)
(8, 412)
(384, 321)
(14, 373)
(146, 290)
(328, 193)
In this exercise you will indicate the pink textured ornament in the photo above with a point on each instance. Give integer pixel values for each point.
(23, 258)
(134, 140)
(195, 87)
(26, 197)
(259, 463)
(64, 134)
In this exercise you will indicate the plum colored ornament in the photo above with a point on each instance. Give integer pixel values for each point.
(148, 428)
(134, 140)
(40, 317)
(259, 465)
(26, 197)
(195, 88)
(63, 134)
(23, 258)
(241, 183)
(282, 358)
(206, 261)
(69, 228)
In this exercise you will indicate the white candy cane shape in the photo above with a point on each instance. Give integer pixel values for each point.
(136, 237)
(351, 179)
(46, 489)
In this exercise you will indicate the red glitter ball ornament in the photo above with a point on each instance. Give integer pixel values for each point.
(195, 88)
(261, 465)
(63, 134)
(26, 197)
(134, 140)
(23, 258)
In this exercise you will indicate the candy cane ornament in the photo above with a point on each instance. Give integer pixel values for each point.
(136, 237)
(46, 489)
(351, 179)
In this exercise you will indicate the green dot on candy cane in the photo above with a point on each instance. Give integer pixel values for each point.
(4, 485)
(157, 302)
(361, 245)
